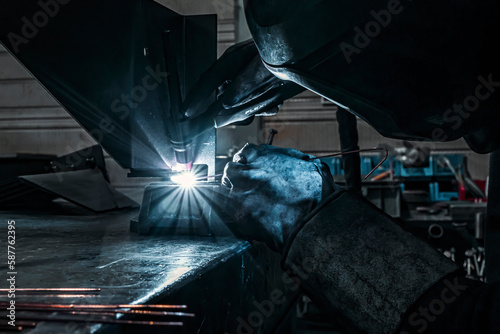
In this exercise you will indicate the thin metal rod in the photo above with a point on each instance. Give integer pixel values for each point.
(208, 177)
(98, 306)
(379, 149)
(105, 311)
(375, 149)
(20, 323)
(77, 290)
(39, 295)
(9, 328)
(104, 321)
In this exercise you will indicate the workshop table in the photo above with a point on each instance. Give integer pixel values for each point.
(222, 280)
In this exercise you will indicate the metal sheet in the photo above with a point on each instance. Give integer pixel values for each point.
(222, 280)
(104, 62)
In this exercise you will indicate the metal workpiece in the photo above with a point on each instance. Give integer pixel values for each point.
(219, 279)
(173, 209)
(109, 65)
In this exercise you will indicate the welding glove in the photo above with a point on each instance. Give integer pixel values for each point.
(272, 190)
(244, 87)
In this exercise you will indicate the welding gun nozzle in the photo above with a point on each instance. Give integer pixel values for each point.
(188, 166)
(183, 154)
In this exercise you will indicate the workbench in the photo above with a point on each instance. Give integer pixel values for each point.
(221, 280)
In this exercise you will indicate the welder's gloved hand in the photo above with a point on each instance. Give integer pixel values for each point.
(272, 191)
(244, 87)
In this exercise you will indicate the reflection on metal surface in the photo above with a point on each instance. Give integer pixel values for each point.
(175, 276)
(172, 209)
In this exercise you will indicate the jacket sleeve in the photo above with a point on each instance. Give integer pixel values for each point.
(455, 305)
(355, 262)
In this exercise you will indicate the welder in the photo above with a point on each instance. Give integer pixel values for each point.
(416, 71)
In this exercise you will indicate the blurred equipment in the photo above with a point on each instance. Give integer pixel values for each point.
(431, 195)
(34, 181)
(412, 155)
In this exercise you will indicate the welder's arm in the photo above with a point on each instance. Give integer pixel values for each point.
(353, 260)
(244, 87)
(350, 257)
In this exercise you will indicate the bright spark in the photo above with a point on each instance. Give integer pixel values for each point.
(186, 179)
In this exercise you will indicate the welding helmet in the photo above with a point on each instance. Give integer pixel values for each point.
(412, 70)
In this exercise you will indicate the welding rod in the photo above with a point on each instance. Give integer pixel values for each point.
(20, 325)
(330, 156)
(209, 177)
(110, 312)
(9, 328)
(39, 295)
(359, 151)
(103, 321)
(66, 290)
(97, 306)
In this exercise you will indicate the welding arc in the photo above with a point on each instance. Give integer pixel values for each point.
(378, 149)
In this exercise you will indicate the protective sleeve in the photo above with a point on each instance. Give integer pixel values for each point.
(359, 265)
(455, 305)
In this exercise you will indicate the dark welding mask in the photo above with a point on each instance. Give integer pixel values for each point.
(412, 70)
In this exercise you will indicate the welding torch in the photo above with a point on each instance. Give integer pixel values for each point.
(187, 119)
(245, 88)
